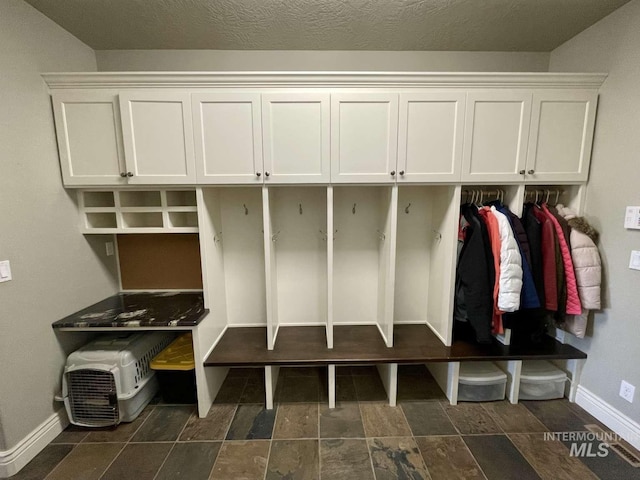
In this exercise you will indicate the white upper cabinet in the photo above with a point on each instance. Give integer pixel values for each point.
(158, 137)
(296, 137)
(430, 136)
(228, 138)
(323, 128)
(562, 123)
(496, 135)
(89, 138)
(364, 137)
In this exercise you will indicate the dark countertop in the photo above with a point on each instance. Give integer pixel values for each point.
(157, 309)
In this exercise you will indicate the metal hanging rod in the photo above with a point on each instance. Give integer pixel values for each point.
(543, 194)
(477, 195)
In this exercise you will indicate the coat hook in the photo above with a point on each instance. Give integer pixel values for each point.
(300, 208)
(381, 235)
(437, 235)
(406, 210)
(274, 237)
(246, 210)
(353, 210)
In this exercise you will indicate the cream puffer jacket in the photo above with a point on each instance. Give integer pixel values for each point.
(588, 268)
(586, 258)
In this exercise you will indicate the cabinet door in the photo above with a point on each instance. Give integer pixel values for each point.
(228, 138)
(430, 136)
(364, 137)
(562, 123)
(296, 137)
(158, 137)
(89, 138)
(496, 135)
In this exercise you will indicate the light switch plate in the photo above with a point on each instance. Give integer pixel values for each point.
(632, 218)
(5, 271)
(634, 261)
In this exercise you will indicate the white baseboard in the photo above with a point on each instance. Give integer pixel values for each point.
(12, 460)
(624, 426)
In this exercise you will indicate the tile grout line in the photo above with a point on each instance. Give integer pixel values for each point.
(233, 415)
(266, 467)
(186, 423)
(244, 387)
(449, 418)
(474, 457)
(124, 445)
(165, 460)
(127, 442)
(113, 460)
(413, 437)
(373, 468)
(173, 445)
(62, 459)
(524, 456)
(532, 466)
(423, 459)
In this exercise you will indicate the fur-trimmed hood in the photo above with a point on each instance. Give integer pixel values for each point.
(578, 223)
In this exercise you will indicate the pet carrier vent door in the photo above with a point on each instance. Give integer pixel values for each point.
(93, 399)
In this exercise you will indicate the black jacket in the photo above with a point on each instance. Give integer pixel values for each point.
(475, 277)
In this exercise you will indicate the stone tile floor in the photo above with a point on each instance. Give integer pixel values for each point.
(363, 438)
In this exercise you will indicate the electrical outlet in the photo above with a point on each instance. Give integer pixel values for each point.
(626, 391)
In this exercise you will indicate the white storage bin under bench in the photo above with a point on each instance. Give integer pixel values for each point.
(481, 382)
(541, 380)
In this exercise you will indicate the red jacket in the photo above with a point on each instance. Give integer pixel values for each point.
(573, 299)
(494, 237)
(548, 260)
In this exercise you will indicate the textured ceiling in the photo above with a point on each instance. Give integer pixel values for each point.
(477, 25)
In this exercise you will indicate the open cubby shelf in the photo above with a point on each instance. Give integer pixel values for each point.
(138, 211)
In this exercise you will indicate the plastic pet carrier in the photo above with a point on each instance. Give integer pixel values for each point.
(109, 380)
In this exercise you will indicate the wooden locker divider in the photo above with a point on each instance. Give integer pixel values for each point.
(213, 326)
(270, 272)
(330, 234)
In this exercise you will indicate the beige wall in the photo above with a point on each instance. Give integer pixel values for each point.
(613, 45)
(55, 268)
(246, 60)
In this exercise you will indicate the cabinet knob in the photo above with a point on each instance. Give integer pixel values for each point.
(258, 174)
(521, 172)
(266, 174)
(129, 174)
(123, 174)
(393, 172)
(401, 172)
(531, 172)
